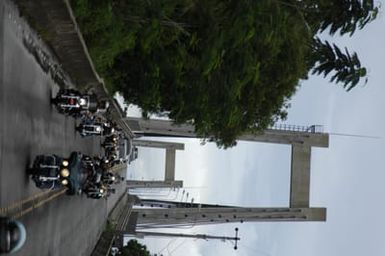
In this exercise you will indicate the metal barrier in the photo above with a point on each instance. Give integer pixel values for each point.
(298, 128)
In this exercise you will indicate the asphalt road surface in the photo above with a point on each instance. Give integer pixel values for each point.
(29, 126)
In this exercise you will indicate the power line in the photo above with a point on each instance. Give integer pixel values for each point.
(168, 244)
(184, 241)
(355, 135)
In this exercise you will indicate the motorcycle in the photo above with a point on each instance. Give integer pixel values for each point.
(49, 171)
(108, 145)
(108, 178)
(111, 154)
(54, 172)
(95, 190)
(111, 140)
(94, 128)
(73, 103)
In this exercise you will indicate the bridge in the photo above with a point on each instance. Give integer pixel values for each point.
(30, 74)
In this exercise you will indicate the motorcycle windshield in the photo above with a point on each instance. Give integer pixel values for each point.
(49, 172)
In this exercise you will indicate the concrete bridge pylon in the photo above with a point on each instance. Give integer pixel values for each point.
(172, 214)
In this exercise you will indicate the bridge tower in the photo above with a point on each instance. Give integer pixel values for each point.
(168, 214)
(169, 175)
(301, 140)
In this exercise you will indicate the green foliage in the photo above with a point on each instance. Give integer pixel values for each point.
(223, 68)
(347, 67)
(227, 67)
(344, 16)
(104, 31)
(133, 248)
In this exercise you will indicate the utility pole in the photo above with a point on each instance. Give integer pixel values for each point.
(196, 236)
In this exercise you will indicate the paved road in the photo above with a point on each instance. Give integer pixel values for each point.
(29, 125)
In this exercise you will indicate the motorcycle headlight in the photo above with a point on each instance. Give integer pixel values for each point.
(101, 191)
(65, 163)
(113, 178)
(115, 139)
(112, 130)
(65, 173)
(64, 182)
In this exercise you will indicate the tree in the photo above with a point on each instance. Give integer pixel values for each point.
(227, 67)
(224, 69)
(343, 16)
(133, 248)
(330, 58)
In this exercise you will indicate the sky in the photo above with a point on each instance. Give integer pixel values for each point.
(348, 178)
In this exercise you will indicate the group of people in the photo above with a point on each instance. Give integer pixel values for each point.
(92, 123)
(100, 178)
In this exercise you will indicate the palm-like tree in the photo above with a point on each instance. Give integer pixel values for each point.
(343, 16)
(347, 67)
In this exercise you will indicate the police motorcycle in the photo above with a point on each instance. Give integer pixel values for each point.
(54, 172)
(105, 163)
(110, 142)
(111, 154)
(98, 190)
(94, 187)
(95, 190)
(91, 127)
(108, 178)
(72, 102)
(12, 235)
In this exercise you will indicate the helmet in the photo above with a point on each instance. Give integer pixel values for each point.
(12, 235)
(82, 102)
(105, 104)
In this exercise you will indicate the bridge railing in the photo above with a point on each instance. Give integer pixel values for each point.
(298, 128)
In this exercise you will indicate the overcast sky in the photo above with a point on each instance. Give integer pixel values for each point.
(348, 178)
